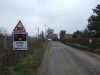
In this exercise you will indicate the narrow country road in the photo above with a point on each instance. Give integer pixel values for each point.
(60, 59)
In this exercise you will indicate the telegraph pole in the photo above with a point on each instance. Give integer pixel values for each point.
(38, 31)
(37, 28)
(45, 29)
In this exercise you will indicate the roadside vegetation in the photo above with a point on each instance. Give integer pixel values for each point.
(83, 44)
(89, 38)
(23, 62)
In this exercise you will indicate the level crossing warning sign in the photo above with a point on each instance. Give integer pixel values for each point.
(20, 37)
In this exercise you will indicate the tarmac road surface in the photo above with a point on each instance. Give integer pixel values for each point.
(60, 59)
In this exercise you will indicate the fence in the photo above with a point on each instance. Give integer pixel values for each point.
(9, 56)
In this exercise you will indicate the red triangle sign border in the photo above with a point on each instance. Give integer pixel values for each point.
(19, 29)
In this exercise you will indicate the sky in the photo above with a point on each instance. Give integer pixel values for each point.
(69, 15)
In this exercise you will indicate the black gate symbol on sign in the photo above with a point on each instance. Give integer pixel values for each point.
(19, 28)
(19, 37)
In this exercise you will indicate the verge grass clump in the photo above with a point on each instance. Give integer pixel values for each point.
(29, 63)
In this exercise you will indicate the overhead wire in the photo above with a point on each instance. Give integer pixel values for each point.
(11, 11)
(1, 18)
(15, 10)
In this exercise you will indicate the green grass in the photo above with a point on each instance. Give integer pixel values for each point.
(4, 70)
(27, 65)
(81, 47)
(76, 45)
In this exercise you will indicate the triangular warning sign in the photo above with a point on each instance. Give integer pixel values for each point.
(19, 27)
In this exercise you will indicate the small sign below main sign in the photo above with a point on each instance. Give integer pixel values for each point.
(20, 37)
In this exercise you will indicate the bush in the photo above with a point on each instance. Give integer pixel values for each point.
(10, 58)
(85, 42)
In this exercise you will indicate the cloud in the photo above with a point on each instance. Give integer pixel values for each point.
(70, 15)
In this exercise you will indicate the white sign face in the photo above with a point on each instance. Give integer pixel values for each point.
(20, 41)
(90, 40)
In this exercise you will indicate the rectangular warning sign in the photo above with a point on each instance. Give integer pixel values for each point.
(20, 41)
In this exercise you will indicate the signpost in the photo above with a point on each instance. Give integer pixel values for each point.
(20, 37)
(90, 41)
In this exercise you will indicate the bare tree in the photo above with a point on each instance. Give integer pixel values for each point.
(3, 31)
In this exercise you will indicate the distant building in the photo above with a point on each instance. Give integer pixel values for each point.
(68, 36)
(54, 37)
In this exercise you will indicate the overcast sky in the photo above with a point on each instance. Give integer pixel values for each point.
(69, 15)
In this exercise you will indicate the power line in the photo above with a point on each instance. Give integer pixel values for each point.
(13, 8)
(2, 19)
(18, 13)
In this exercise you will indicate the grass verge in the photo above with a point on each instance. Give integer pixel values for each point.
(28, 65)
(81, 47)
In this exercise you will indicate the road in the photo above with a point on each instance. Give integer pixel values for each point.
(60, 59)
